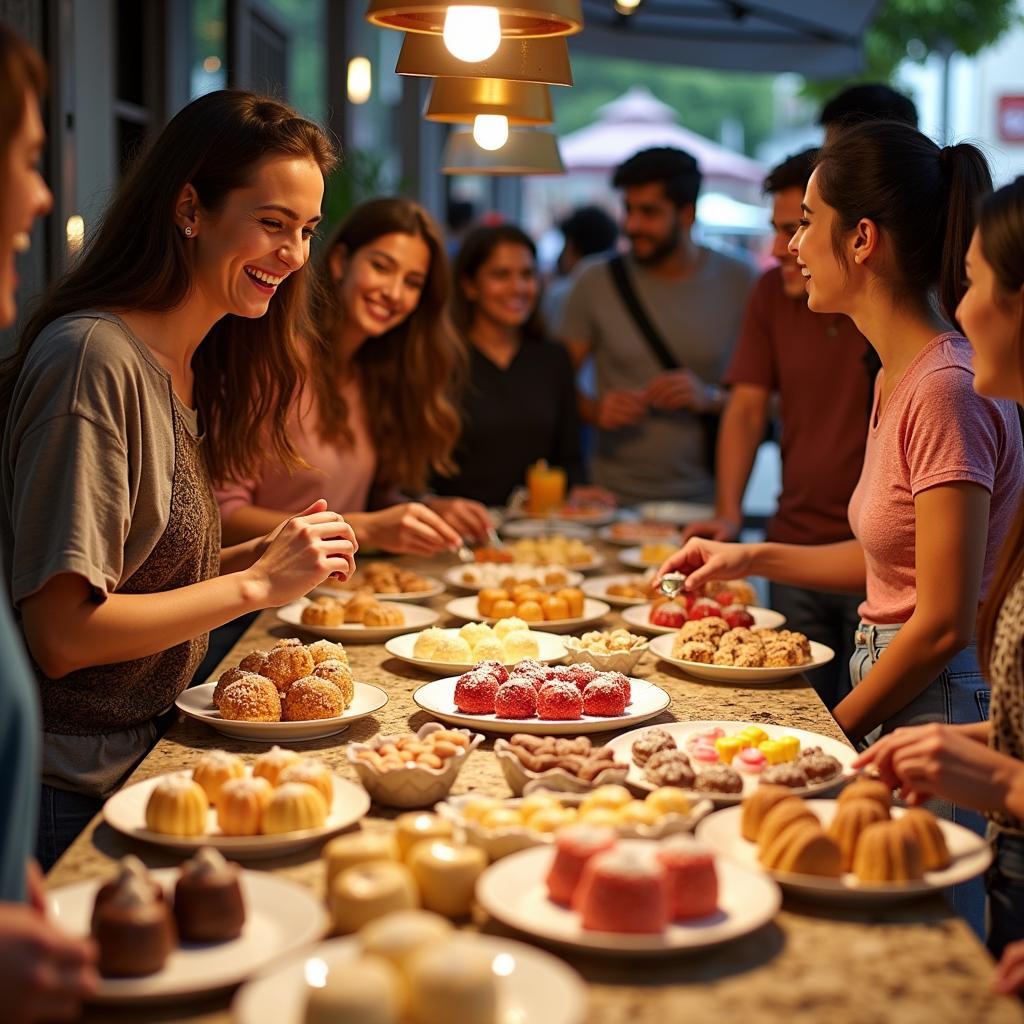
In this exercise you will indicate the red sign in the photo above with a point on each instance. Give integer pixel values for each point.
(1011, 118)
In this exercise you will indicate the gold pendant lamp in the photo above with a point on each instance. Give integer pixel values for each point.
(517, 19)
(461, 100)
(525, 152)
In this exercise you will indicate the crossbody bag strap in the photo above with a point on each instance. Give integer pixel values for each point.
(655, 342)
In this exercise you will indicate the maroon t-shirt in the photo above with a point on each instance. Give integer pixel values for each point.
(816, 362)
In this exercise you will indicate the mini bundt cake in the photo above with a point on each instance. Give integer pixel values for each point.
(888, 852)
(241, 804)
(804, 848)
(867, 789)
(357, 607)
(313, 773)
(850, 821)
(311, 698)
(253, 699)
(781, 818)
(380, 615)
(925, 826)
(324, 611)
(757, 805)
(293, 807)
(214, 768)
(177, 806)
(621, 891)
(133, 929)
(272, 762)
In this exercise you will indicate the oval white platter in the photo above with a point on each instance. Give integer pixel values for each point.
(628, 534)
(533, 986)
(512, 890)
(438, 698)
(473, 577)
(639, 617)
(413, 617)
(436, 588)
(820, 655)
(845, 755)
(593, 611)
(597, 587)
(551, 650)
(281, 917)
(125, 811)
(197, 703)
(970, 853)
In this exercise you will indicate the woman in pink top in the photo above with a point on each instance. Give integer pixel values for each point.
(375, 416)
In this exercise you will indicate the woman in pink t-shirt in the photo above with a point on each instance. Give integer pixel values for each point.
(375, 417)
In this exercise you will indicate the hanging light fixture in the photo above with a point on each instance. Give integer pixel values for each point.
(490, 105)
(525, 152)
(516, 60)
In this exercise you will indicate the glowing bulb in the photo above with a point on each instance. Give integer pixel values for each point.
(360, 80)
(490, 131)
(472, 34)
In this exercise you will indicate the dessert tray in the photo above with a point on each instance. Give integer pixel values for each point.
(682, 731)
(197, 703)
(638, 616)
(476, 577)
(593, 611)
(534, 987)
(662, 647)
(513, 891)
(552, 649)
(597, 587)
(629, 533)
(413, 617)
(281, 918)
(125, 811)
(438, 698)
(970, 855)
(437, 587)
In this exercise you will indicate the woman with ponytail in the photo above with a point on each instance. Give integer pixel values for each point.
(888, 217)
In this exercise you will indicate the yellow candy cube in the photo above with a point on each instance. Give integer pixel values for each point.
(792, 747)
(599, 816)
(535, 802)
(501, 817)
(548, 819)
(477, 807)
(607, 796)
(752, 736)
(774, 751)
(728, 747)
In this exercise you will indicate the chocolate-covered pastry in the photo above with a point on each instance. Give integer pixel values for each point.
(208, 899)
(133, 929)
(670, 768)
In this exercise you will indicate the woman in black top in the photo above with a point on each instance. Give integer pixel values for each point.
(519, 404)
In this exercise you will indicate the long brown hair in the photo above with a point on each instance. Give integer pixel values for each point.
(1001, 234)
(22, 74)
(246, 370)
(407, 376)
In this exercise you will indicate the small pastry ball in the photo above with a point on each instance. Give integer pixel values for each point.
(325, 650)
(310, 699)
(669, 800)
(232, 675)
(293, 807)
(286, 664)
(425, 645)
(535, 802)
(272, 762)
(455, 974)
(254, 662)
(554, 608)
(638, 812)
(453, 649)
(254, 699)
(241, 805)
(340, 675)
(501, 817)
(603, 816)
(214, 768)
(364, 991)
(607, 796)
(488, 597)
(510, 625)
(490, 648)
(550, 819)
(474, 632)
(503, 609)
(530, 611)
(476, 807)
(313, 773)
(396, 937)
(520, 644)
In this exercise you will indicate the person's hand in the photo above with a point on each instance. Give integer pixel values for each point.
(412, 529)
(35, 886)
(678, 389)
(44, 973)
(721, 529)
(302, 552)
(618, 409)
(1010, 972)
(467, 518)
(704, 560)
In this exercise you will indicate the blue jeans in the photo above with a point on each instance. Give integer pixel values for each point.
(826, 618)
(959, 696)
(62, 816)
(1005, 883)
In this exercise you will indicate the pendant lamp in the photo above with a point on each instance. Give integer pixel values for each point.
(519, 19)
(461, 100)
(526, 152)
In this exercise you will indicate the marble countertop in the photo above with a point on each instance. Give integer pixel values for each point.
(913, 962)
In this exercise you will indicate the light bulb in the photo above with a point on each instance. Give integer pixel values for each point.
(75, 231)
(472, 34)
(490, 131)
(359, 80)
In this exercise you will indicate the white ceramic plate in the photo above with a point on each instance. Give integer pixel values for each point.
(593, 611)
(413, 615)
(281, 917)
(631, 558)
(480, 576)
(438, 698)
(596, 561)
(551, 650)
(662, 647)
(680, 513)
(436, 588)
(597, 587)
(533, 986)
(536, 528)
(627, 534)
(970, 854)
(197, 703)
(622, 745)
(125, 811)
(512, 890)
(639, 616)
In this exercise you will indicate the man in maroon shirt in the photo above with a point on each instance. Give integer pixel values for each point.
(822, 370)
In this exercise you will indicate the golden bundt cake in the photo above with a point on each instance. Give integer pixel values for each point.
(293, 807)
(358, 605)
(240, 808)
(177, 806)
(313, 773)
(925, 827)
(804, 848)
(781, 818)
(888, 852)
(867, 789)
(272, 762)
(324, 611)
(850, 821)
(381, 615)
(757, 805)
(214, 768)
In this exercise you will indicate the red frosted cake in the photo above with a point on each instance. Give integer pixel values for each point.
(623, 891)
(574, 846)
(692, 880)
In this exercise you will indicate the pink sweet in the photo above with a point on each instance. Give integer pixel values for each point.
(620, 680)
(581, 674)
(705, 737)
(750, 760)
(703, 753)
(621, 891)
(604, 697)
(574, 846)
(515, 699)
(559, 701)
(692, 879)
(531, 672)
(474, 692)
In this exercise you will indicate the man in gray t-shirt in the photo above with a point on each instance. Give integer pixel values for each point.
(652, 422)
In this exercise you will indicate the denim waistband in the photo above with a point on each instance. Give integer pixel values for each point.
(872, 636)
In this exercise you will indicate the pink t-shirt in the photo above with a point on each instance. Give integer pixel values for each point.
(935, 429)
(340, 473)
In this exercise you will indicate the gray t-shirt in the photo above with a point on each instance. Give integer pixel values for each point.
(664, 456)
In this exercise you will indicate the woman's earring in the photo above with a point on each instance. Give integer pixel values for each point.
(188, 232)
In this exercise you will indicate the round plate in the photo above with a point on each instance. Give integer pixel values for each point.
(534, 528)
(197, 703)
(436, 588)
(597, 587)
(622, 745)
(662, 647)
(533, 986)
(970, 853)
(551, 650)
(281, 917)
(479, 576)
(438, 698)
(512, 890)
(679, 513)
(632, 558)
(126, 812)
(593, 611)
(414, 617)
(639, 617)
(629, 533)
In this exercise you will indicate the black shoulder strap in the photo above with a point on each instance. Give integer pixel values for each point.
(617, 267)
